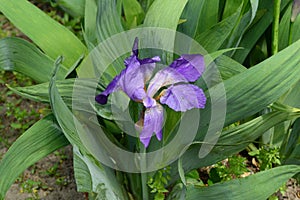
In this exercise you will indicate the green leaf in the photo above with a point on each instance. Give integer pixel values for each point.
(181, 172)
(103, 179)
(53, 38)
(231, 141)
(81, 173)
(261, 85)
(191, 14)
(295, 33)
(212, 39)
(62, 113)
(108, 20)
(284, 28)
(22, 56)
(92, 176)
(257, 186)
(73, 7)
(133, 12)
(289, 152)
(244, 22)
(261, 22)
(65, 87)
(90, 18)
(228, 67)
(41, 139)
(164, 14)
(209, 15)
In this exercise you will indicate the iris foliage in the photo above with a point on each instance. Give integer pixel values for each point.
(253, 45)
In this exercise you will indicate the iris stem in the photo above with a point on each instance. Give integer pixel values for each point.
(275, 31)
(144, 176)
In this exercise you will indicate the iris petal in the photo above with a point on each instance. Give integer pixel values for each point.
(183, 97)
(112, 86)
(164, 77)
(190, 66)
(153, 123)
(132, 79)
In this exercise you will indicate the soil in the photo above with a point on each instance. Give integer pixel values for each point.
(50, 186)
(50, 178)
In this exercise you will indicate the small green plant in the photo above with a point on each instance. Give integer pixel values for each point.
(52, 171)
(62, 181)
(229, 169)
(31, 186)
(193, 178)
(158, 183)
(268, 157)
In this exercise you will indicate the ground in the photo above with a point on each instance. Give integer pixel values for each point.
(50, 178)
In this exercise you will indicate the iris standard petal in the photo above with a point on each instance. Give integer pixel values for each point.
(153, 123)
(132, 79)
(191, 66)
(183, 97)
(164, 77)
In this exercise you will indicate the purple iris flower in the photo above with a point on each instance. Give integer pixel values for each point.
(180, 95)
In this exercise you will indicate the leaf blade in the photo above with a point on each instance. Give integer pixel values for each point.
(53, 38)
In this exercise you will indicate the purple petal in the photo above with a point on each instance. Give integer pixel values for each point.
(112, 86)
(153, 123)
(183, 97)
(164, 77)
(133, 78)
(133, 81)
(150, 60)
(149, 102)
(191, 66)
(135, 47)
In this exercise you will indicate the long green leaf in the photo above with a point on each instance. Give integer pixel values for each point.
(209, 15)
(284, 28)
(103, 179)
(191, 14)
(81, 172)
(73, 7)
(256, 88)
(257, 186)
(164, 14)
(133, 12)
(53, 38)
(40, 92)
(108, 20)
(22, 56)
(253, 90)
(231, 141)
(212, 39)
(260, 24)
(290, 151)
(295, 35)
(41, 139)
(90, 18)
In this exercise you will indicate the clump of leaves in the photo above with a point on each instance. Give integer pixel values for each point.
(53, 171)
(268, 157)
(229, 169)
(158, 183)
(31, 186)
